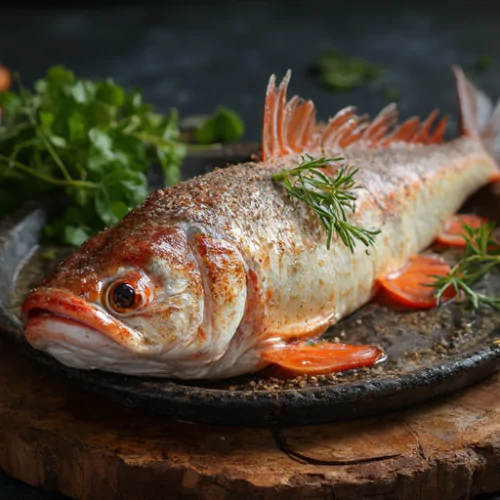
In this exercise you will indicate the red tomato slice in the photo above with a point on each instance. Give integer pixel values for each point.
(5, 79)
(322, 358)
(453, 232)
(407, 286)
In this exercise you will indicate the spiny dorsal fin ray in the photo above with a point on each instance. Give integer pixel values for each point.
(291, 127)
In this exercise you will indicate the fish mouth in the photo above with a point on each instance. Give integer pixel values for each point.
(80, 335)
(46, 305)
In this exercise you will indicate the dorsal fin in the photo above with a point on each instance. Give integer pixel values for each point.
(288, 127)
(291, 127)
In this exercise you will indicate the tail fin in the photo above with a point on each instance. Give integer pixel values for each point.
(478, 117)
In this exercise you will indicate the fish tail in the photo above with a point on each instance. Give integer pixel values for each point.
(479, 118)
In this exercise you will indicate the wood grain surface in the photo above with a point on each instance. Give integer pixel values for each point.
(56, 437)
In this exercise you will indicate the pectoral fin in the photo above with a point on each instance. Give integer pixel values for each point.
(323, 357)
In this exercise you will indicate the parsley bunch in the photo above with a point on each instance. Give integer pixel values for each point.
(93, 140)
(339, 71)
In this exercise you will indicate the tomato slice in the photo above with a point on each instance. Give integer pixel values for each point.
(323, 357)
(408, 286)
(5, 79)
(453, 233)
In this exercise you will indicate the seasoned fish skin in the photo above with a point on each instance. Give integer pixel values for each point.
(228, 264)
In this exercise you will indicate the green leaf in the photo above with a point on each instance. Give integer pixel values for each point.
(111, 150)
(92, 141)
(110, 93)
(171, 127)
(10, 104)
(134, 100)
(77, 124)
(134, 104)
(154, 121)
(101, 140)
(76, 235)
(59, 78)
(118, 192)
(342, 81)
(58, 142)
(170, 156)
(83, 91)
(73, 215)
(133, 148)
(46, 120)
(101, 114)
(82, 197)
(41, 86)
(101, 153)
(225, 126)
(339, 71)
(119, 209)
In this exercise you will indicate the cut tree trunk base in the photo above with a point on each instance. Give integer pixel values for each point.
(54, 436)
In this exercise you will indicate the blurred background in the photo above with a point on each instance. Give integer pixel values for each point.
(196, 55)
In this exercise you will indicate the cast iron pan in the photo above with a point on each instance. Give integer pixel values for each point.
(430, 353)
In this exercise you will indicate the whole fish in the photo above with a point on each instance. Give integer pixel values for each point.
(210, 277)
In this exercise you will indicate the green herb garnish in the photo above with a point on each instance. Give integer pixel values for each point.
(93, 140)
(329, 197)
(223, 127)
(481, 256)
(339, 71)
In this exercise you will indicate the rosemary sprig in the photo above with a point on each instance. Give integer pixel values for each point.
(329, 197)
(481, 256)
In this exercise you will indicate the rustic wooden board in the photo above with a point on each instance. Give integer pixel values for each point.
(60, 438)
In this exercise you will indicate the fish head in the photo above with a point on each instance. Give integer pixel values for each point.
(144, 301)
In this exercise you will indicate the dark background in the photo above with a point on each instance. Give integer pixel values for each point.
(198, 55)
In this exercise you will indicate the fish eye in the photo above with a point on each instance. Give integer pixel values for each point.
(122, 297)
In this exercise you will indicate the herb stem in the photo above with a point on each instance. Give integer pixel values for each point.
(46, 143)
(201, 147)
(145, 137)
(55, 156)
(482, 256)
(30, 113)
(46, 178)
(281, 176)
(328, 196)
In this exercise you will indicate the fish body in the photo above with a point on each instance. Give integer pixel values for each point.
(210, 273)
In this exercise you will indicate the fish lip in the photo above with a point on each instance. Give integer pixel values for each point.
(57, 303)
